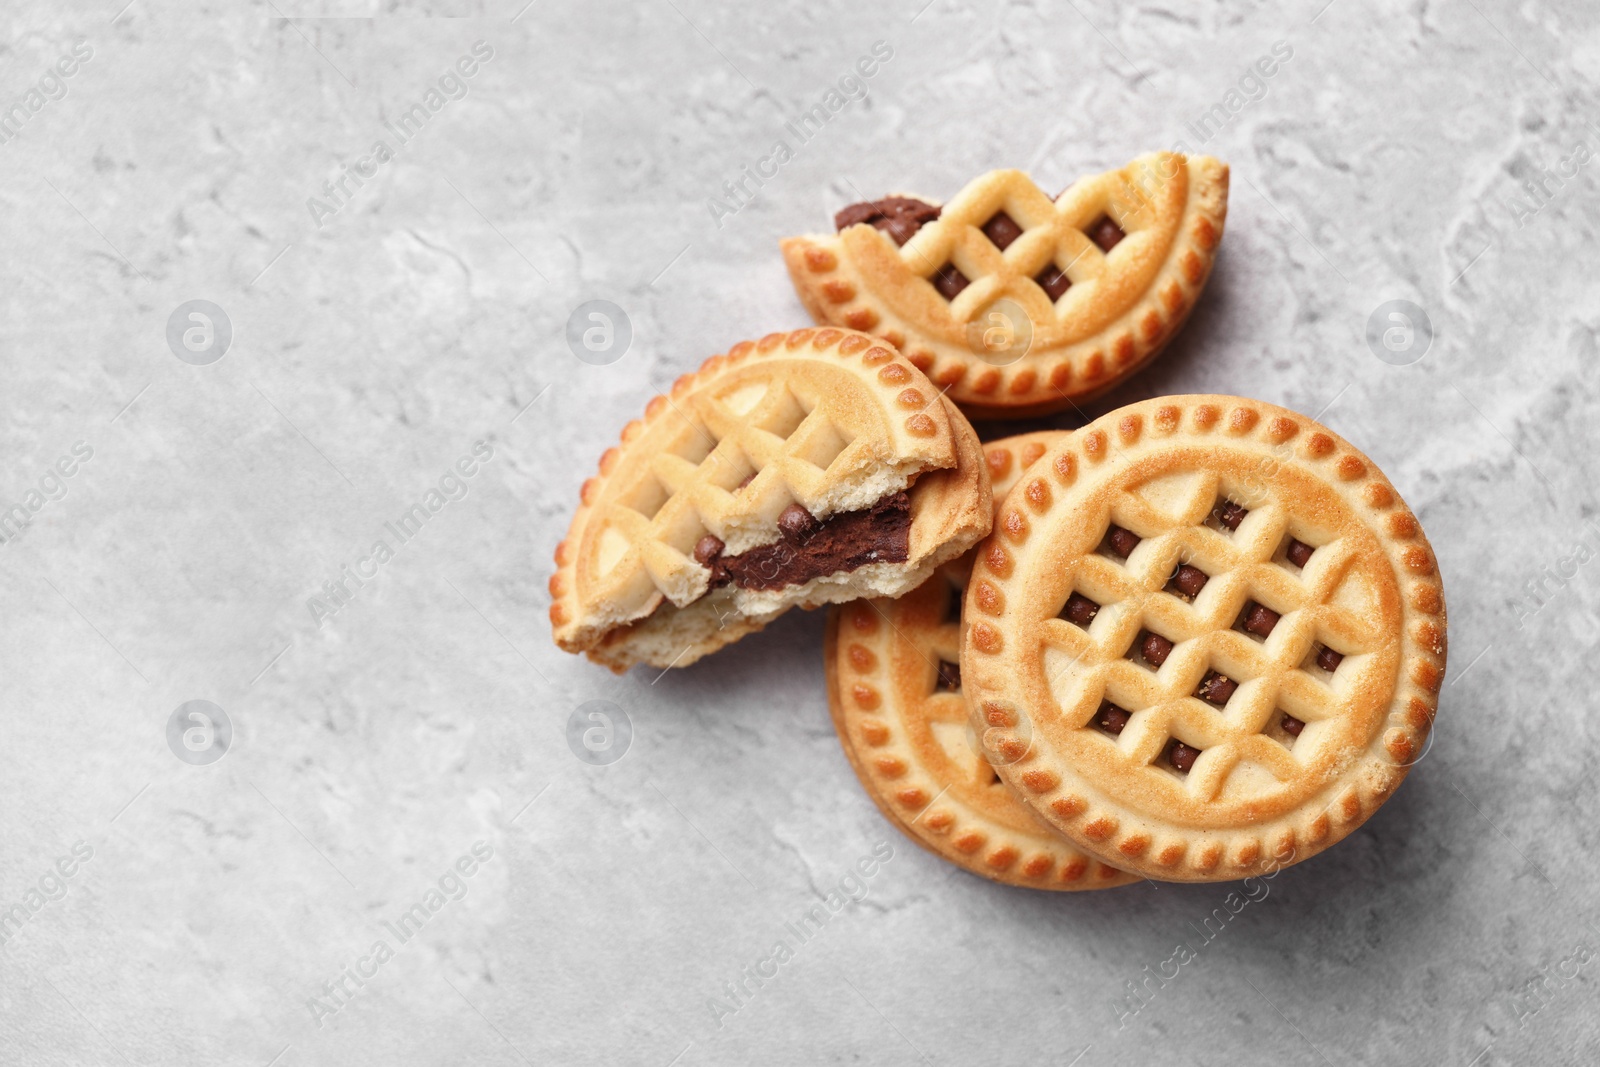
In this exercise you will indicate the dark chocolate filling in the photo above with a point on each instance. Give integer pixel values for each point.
(803, 551)
(1155, 649)
(1216, 688)
(1123, 542)
(1258, 619)
(1054, 281)
(1181, 756)
(898, 216)
(949, 280)
(1230, 514)
(1105, 233)
(1112, 719)
(1079, 609)
(1187, 581)
(1299, 552)
(1001, 230)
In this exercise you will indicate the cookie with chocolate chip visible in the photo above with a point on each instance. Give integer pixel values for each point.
(807, 468)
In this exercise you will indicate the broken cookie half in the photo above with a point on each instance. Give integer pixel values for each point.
(1015, 302)
(806, 468)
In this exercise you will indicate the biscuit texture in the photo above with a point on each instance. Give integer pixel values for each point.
(1299, 638)
(832, 420)
(1121, 308)
(902, 721)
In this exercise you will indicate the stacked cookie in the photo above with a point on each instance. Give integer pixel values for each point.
(1197, 639)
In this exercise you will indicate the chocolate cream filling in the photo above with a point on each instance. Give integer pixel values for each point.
(898, 216)
(809, 548)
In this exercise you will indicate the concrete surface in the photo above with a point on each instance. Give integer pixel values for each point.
(376, 337)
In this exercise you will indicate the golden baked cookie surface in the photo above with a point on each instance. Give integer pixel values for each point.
(1206, 637)
(1041, 309)
(828, 421)
(895, 692)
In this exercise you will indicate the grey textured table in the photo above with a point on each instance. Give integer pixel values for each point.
(378, 313)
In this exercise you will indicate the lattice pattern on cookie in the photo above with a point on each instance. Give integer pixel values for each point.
(733, 456)
(895, 688)
(824, 418)
(1097, 279)
(1207, 636)
(1218, 688)
(909, 736)
(1001, 239)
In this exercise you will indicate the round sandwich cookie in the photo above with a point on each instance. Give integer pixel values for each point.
(894, 686)
(1205, 639)
(1015, 302)
(802, 469)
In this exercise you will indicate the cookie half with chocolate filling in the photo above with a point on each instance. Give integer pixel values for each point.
(1013, 301)
(894, 685)
(803, 469)
(1206, 638)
